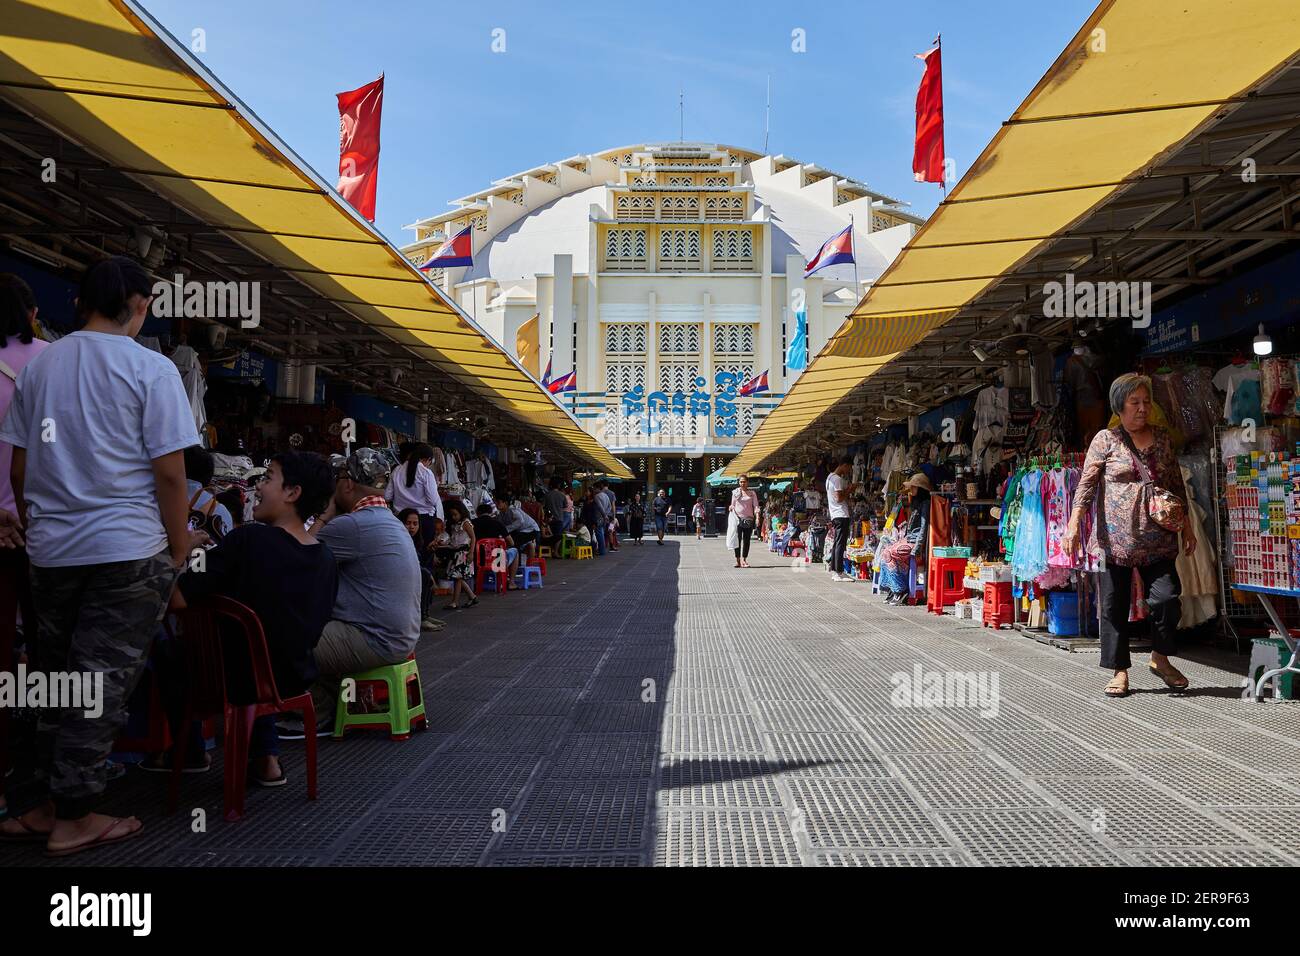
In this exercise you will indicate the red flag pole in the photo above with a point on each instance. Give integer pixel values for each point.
(928, 151)
(359, 116)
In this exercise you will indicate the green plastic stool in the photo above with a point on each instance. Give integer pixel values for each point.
(568, 545)
(401, 714)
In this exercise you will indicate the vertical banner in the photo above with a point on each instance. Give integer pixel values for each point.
(526, 346)
(359, 113)
(796, 355)
(927, 155)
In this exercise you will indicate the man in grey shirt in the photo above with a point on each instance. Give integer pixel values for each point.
(376, 618)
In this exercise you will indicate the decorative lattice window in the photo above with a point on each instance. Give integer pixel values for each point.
(625, 338)
(728, 208)
(580, 167)
(516, 196)
(623, 376)
(843, 196)
(733, 249)
(745, 427)
(679, 339)
(625, 160)
(625, 249)
(644, 180)
(717, 181)
(635, 207)
(681, 180)
(679, 427)
(733, 339)
(679, 249)
(882, 222)
(547, 178)
(677, 377)
(479, 221)
(735, 159)
(435, 275)
(680, 207)
(743, 371)
(620, 428)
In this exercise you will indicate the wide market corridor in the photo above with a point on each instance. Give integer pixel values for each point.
(658, 707)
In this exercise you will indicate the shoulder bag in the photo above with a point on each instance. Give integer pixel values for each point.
(1155, 504)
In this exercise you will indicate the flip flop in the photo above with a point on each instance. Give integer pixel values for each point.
(102, 840)
(29, 835)
(1113, 690)
(279, 781)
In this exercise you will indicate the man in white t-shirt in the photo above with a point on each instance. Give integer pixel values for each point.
(838, 492)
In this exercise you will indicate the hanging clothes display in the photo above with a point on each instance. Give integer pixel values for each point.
(1083, 378)
(1197, 574)
(1241, 386)
(187, 363)
(1029, 557)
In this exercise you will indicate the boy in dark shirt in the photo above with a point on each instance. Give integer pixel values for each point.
(488, 526)
(286, 576)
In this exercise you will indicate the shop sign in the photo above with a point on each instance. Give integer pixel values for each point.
(641, 410)
(1269, 294)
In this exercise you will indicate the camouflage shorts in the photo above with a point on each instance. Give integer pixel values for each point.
(92, 619)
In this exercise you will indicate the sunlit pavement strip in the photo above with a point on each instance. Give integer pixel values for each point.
(773, 738)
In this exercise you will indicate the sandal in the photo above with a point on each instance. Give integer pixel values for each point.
(472, 603)
(102, 840)
(451, 607)
(1118, 687)
(1170, 682)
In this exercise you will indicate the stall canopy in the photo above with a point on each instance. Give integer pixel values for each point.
(1125, 162)
(105, 76)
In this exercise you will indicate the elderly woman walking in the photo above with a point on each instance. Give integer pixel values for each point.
(1133, 476)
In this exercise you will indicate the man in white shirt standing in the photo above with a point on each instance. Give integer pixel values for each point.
(838, 491)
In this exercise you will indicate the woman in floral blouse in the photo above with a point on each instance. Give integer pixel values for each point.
(1125, 537)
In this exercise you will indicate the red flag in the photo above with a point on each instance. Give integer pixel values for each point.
(359, 145)
(927, 157)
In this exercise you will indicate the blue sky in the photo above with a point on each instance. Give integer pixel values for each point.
(578, 77)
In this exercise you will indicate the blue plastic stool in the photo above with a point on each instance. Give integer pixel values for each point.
(532, 576)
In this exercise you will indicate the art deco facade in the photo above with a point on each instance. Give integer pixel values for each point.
(665, 274)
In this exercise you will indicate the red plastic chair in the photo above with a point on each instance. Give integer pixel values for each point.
(206, 696)
(487, 547)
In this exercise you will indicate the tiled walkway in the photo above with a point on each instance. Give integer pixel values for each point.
(658, 707)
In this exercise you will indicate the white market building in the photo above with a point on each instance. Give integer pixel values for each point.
(659, 272)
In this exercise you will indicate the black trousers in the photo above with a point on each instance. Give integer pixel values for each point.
(838, 544)
(745, 535)
(1161, 588)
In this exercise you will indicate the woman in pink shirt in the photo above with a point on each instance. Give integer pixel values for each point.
(744, 505)
(18, 346)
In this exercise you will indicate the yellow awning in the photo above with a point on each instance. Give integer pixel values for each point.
(1137, 79)
(98, 72)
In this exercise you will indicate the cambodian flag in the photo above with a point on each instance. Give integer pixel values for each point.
(456, 251)
(565, 383)
(755, 385)
(546, 378)
(837, 249)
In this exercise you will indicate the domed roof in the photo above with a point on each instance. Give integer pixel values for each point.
(796, 198)
(525, 248)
